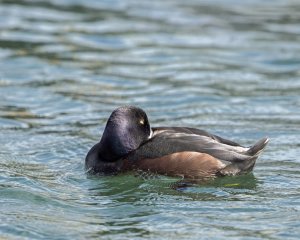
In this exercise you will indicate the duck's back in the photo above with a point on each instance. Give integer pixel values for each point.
(193, 153)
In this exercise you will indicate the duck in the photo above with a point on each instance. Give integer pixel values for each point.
(128, 143)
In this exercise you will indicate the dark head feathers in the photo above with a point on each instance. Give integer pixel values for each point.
(126, 129)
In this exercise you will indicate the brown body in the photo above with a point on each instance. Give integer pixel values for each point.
(192, 165)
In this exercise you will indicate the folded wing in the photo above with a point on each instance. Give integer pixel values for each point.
(166, 141)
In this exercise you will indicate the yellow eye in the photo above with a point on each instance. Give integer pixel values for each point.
(142, 121)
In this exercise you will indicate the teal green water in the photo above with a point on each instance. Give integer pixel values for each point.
(230, 67)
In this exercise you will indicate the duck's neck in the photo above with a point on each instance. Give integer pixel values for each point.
(106, 153)
(101, 159)
(113, 145)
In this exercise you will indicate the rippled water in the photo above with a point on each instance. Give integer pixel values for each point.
(231, 67)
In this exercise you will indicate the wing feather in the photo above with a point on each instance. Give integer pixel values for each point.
(167, 141)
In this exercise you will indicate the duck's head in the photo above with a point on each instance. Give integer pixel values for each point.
(126, 129)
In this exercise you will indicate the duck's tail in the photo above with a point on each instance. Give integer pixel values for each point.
(247, 164)
(258, 147)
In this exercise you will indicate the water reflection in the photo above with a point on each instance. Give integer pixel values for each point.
(127, 188)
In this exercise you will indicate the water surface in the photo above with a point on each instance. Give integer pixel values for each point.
(230, 67)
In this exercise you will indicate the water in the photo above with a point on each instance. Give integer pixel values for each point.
(231, 67)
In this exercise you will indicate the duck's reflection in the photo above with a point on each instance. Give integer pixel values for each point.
(140, 186)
